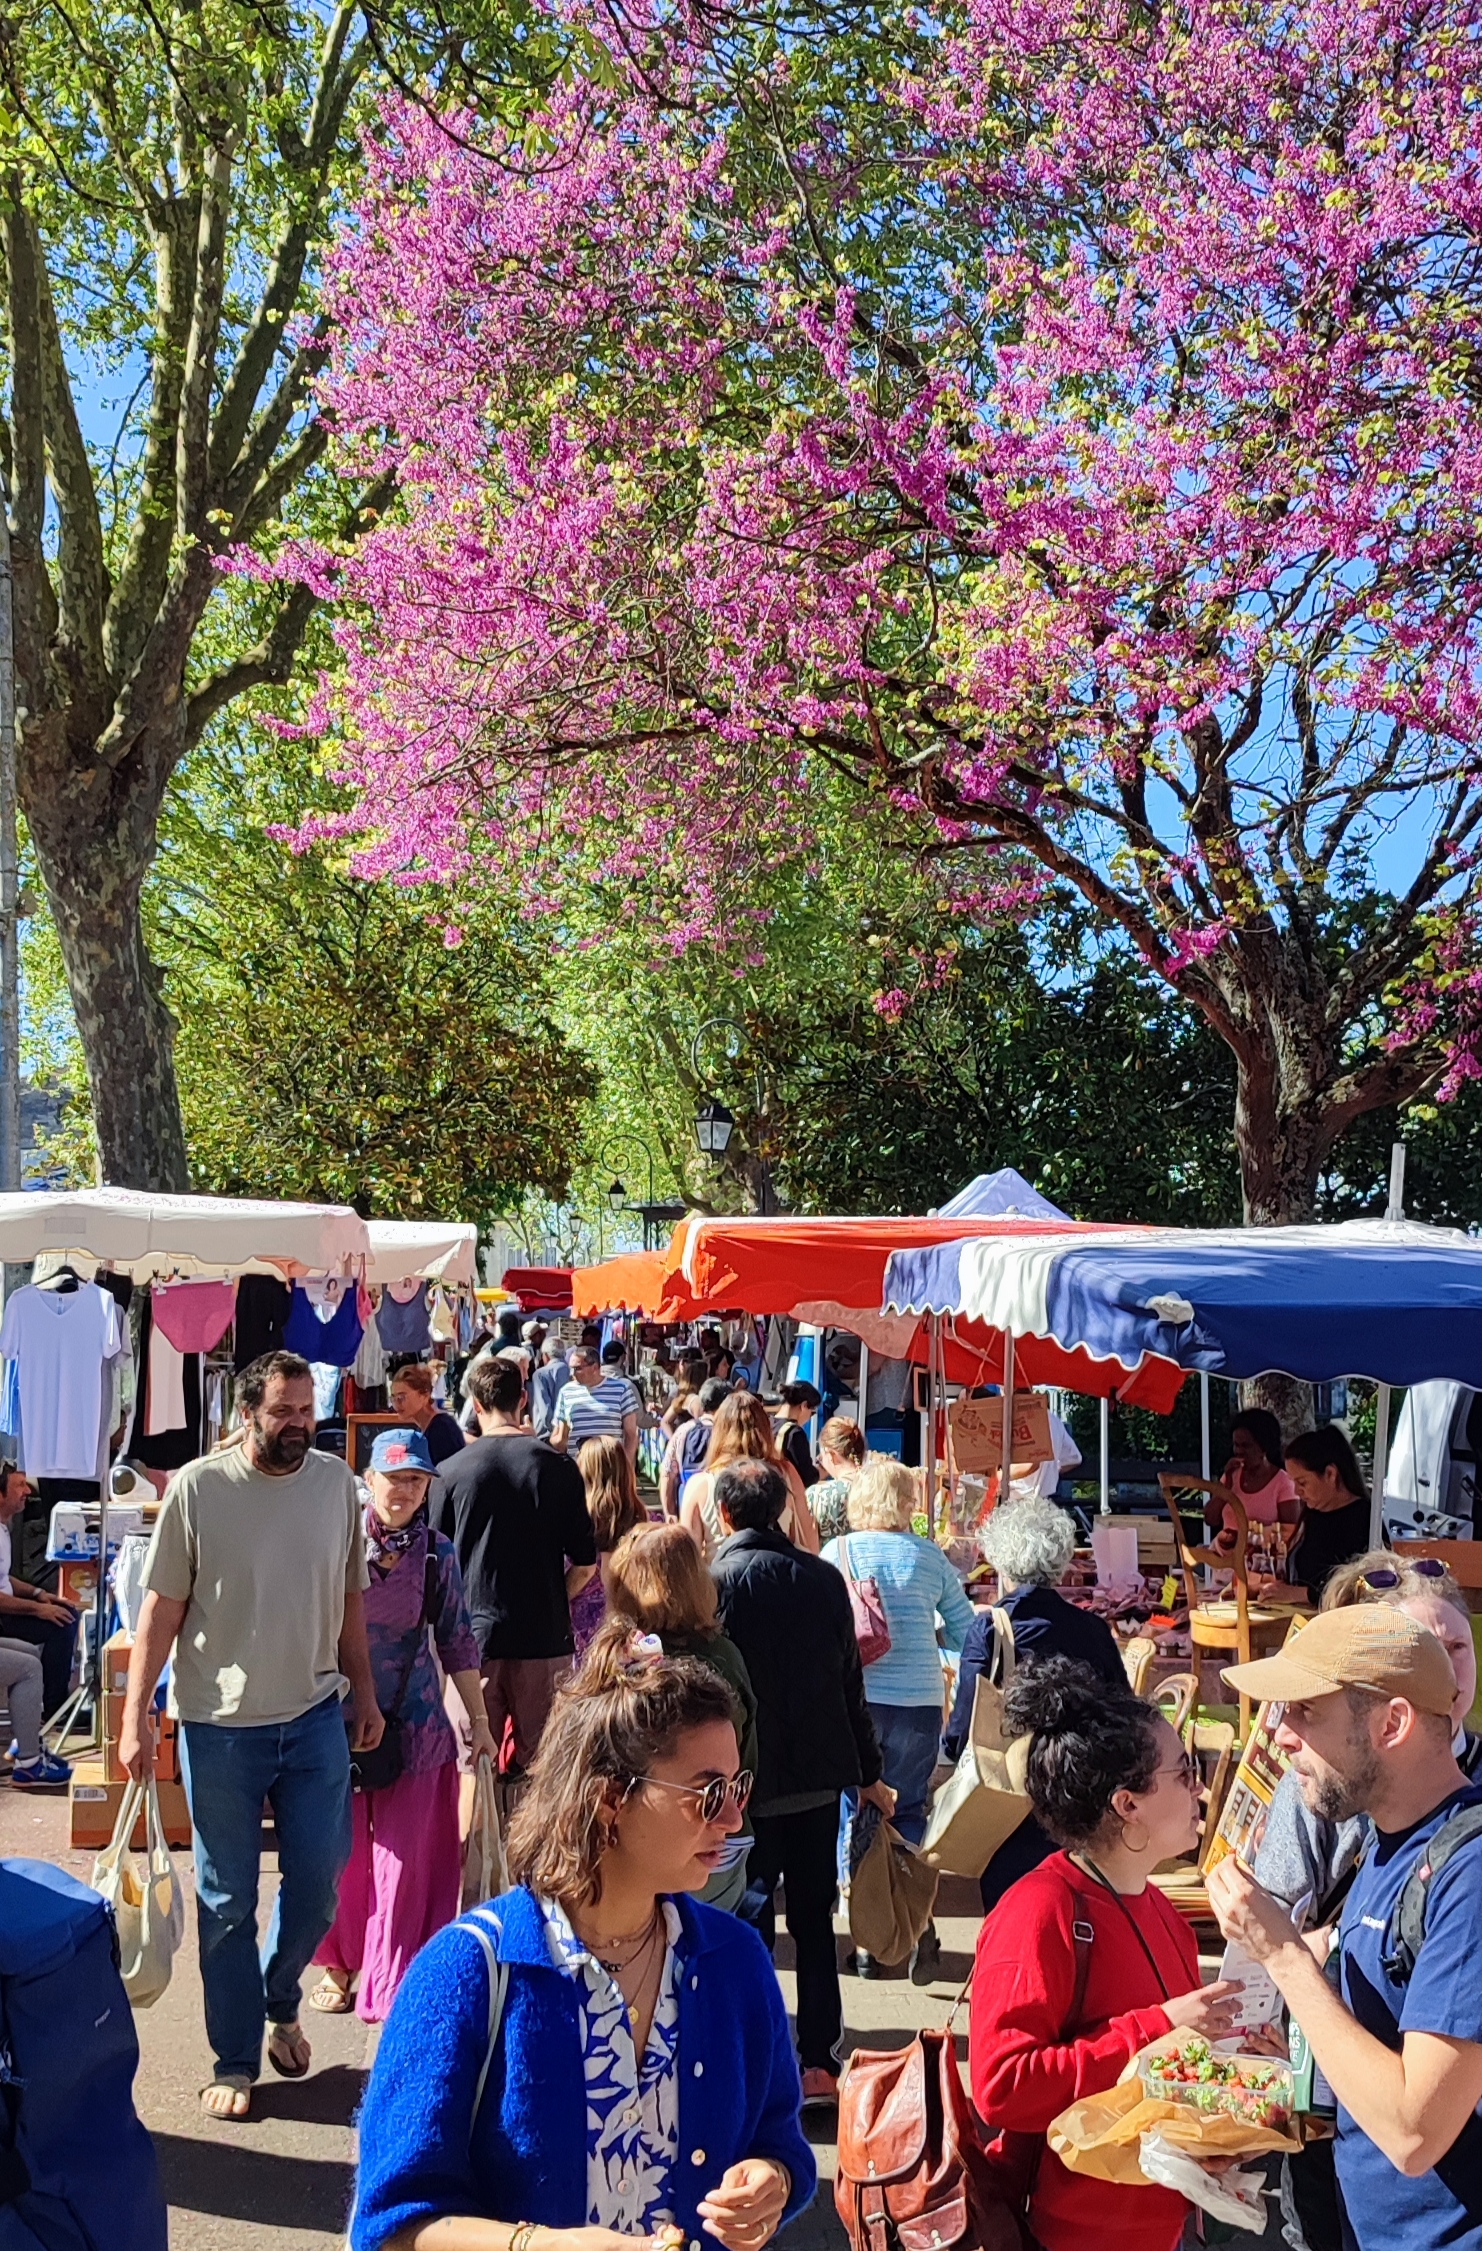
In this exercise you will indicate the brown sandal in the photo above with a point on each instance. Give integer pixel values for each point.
(329, 1999)
(286, 2044)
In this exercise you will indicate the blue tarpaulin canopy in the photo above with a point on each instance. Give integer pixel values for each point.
(1387, 1299)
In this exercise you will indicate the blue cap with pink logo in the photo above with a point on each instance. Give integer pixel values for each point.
(399, 1451)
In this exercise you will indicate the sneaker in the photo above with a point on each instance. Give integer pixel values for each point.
(819, 2087)
(865, 1965)
(926, 1960)
(41, 1773)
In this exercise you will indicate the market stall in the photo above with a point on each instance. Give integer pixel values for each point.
(1384, 1299)
(832, 1271)
(142, 1235)
(403, 1250)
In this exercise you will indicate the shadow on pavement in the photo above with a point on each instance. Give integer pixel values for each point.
(329, 2097)
(260, 2186)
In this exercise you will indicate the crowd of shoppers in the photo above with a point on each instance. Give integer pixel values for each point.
(680, 1710)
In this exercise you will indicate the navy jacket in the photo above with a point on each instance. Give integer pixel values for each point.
(525, 2155)
(788, 1613)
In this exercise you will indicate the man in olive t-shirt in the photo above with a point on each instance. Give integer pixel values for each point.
(256, 1574)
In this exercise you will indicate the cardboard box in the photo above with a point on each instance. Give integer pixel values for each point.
(117, 1650)
(166, 1743)
(94, 1801)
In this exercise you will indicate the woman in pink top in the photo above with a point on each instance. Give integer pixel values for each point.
(1255, 1472)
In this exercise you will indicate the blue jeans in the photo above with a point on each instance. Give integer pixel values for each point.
(909, 1735)
(302, 1769)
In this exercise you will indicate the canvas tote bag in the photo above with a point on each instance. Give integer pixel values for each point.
(983, 1801)
(149, 1909)
(485, 1875)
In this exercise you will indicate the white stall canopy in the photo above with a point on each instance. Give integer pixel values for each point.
(146, 1235)
(402, 1250)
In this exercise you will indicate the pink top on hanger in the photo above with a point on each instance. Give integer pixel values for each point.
(194, 1315)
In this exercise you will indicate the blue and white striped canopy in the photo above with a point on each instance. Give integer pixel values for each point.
(1388, 1299)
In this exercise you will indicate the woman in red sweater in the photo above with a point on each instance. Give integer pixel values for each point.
(1083, 1961)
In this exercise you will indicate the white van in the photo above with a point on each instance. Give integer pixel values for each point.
(1433, 1481)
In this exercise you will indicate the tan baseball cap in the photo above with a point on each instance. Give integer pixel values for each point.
(1369, 1646)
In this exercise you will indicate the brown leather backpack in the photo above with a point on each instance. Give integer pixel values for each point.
(914, 2172)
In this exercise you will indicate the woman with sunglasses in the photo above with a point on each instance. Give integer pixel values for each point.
(1303, 1857)
(640, 2080)
(1083, 1961)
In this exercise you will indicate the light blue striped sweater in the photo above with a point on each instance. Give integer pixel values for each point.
(917, 1586)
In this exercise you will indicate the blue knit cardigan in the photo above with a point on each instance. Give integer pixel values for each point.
(524, 2157)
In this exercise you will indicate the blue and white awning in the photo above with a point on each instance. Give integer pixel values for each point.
(1388, 1299)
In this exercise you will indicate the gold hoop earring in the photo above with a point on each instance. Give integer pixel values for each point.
(1129, 1846)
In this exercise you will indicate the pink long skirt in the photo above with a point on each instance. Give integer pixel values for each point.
(401, 1885)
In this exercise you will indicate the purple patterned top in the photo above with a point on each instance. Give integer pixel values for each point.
(393, 1606)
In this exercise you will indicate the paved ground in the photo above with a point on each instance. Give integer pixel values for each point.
(282, 2180)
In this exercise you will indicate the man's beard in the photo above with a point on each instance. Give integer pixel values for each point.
(284, 1450)
(1338, 1793)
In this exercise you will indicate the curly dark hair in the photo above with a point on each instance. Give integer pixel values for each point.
(1087, 1742)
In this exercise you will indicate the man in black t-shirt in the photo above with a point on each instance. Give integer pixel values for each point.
(516, 1511)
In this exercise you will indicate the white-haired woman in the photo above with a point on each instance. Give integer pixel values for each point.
(903, 1689)
(1029, 1544)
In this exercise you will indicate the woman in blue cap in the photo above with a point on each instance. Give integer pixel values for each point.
(403, 1880)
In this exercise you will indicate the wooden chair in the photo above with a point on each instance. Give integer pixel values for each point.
(1175, 1696)
(1137, 1662)
(1231, 1626)
(1183, 1881)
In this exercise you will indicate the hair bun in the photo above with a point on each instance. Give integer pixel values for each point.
(1053, 1696)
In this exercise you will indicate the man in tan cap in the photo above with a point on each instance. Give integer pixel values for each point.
(1367, 1696)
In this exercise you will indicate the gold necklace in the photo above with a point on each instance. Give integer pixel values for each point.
(614, 1961)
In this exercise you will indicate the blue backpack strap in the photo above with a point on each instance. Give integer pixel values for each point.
(480, 1922)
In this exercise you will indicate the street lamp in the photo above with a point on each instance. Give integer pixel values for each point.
(617, 1196)
(714, 1126)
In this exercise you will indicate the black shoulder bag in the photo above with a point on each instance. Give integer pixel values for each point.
(378, 1769)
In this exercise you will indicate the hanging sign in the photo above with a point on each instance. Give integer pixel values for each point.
(977, 1432)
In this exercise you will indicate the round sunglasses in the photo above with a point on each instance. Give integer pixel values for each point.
(712, 1795)
(1384, 1580)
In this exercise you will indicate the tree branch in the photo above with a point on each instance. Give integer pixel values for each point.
(82, 572)
(192, 452)
(35, 597)
(270, 663)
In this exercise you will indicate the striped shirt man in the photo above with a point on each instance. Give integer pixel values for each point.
(584, 1410)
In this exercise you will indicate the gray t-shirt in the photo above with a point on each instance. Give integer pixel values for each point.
(263, 1565)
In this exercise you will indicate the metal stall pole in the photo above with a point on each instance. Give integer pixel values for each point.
(1008, 1415)
(1394, 1209)
(1203, 1423)
(1106, 1457)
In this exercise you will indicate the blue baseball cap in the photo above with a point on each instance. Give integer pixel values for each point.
(396, 1450)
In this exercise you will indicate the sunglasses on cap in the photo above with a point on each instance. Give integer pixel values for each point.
(1386, 1579)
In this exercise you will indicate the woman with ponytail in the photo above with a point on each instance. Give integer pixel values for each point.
(640, 2082)
(1083, 1961)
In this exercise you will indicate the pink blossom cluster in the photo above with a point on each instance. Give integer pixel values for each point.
(1141, 545)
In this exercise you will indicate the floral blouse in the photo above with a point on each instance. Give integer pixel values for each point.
(829, 1501)
(632, 2112)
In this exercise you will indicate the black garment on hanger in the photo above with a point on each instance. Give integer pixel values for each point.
(169, 1449)
(120, 1287)
(262, 1312)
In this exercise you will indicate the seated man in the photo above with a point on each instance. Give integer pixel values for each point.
(30, 1614)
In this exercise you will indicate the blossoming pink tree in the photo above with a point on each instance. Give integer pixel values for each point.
(1071, 439)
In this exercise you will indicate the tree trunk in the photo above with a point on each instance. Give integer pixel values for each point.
(1280, 1149)
(94, 860)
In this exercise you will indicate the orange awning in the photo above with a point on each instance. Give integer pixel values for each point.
(788, 1264)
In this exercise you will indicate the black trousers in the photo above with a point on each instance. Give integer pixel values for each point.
(802, 1849)
(55, 1644)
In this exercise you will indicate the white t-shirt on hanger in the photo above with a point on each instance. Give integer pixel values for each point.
(64, 1343)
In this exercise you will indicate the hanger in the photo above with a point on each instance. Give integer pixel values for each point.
(64, 1280)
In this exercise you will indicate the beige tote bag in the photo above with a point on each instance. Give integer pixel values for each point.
(485, 1873)
(148, 1908)
(982, 1802)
